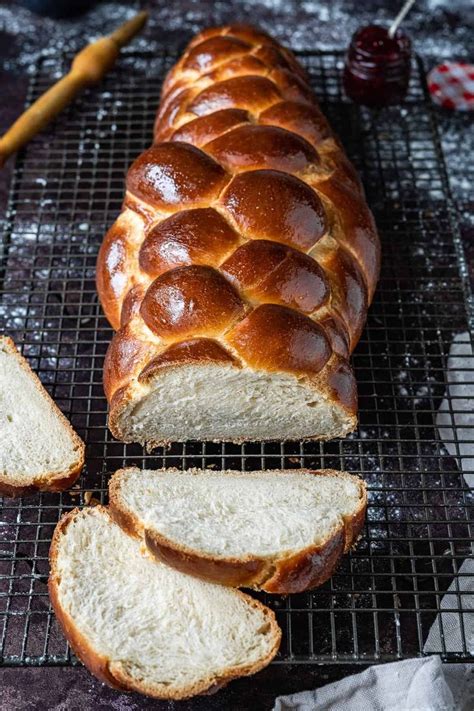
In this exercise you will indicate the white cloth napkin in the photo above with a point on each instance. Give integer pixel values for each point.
(413, 685)
(422, 684)
(455, 423)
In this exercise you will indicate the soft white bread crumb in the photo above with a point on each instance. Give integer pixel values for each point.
(211, 402)
(159, 631)
(237, 514)
(266, 516)
(38, 447)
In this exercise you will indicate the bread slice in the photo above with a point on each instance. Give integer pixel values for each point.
(38, 447)
(279, 531)
(139, 625)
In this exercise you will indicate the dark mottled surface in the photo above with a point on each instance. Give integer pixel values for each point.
(440, 30)
(77, 690)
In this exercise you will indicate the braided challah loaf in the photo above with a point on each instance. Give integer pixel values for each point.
(241, 267)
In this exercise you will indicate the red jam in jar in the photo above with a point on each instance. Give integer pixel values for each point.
(377, 69)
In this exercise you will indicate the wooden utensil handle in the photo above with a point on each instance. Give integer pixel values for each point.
(88, 67)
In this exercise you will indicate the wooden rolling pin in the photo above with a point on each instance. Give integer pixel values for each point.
(89, 66)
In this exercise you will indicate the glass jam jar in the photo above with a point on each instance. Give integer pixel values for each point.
(377, 68)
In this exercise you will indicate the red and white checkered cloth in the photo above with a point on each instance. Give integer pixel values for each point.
(451, 85)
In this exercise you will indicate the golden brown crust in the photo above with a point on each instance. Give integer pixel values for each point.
(244, 164)
(295, 572)
(113, 674)
(277, 274)
(170, 175)
(47, 481)
(127, 353)
(55, 484)
(204, 129)
(236, 574)
(196, 350)
(113, 271)
(190, 301)
(277, 338)
(200, 236)
(274, 206)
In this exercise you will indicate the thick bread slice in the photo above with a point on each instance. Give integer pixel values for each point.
(38, 447)
(139, 625)
(279, 531)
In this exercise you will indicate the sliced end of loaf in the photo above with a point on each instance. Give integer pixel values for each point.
(278, 531)
(39, 450)
(210, 402)
(140, 626)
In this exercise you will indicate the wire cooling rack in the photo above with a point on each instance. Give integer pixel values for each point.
(387, 595)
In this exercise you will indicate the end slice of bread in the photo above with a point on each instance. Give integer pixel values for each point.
(139, 625)
(278, 531)
(38, 447)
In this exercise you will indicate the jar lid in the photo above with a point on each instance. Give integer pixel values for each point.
(451, 85)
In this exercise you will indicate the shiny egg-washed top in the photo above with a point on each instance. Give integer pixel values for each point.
(244, 237)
